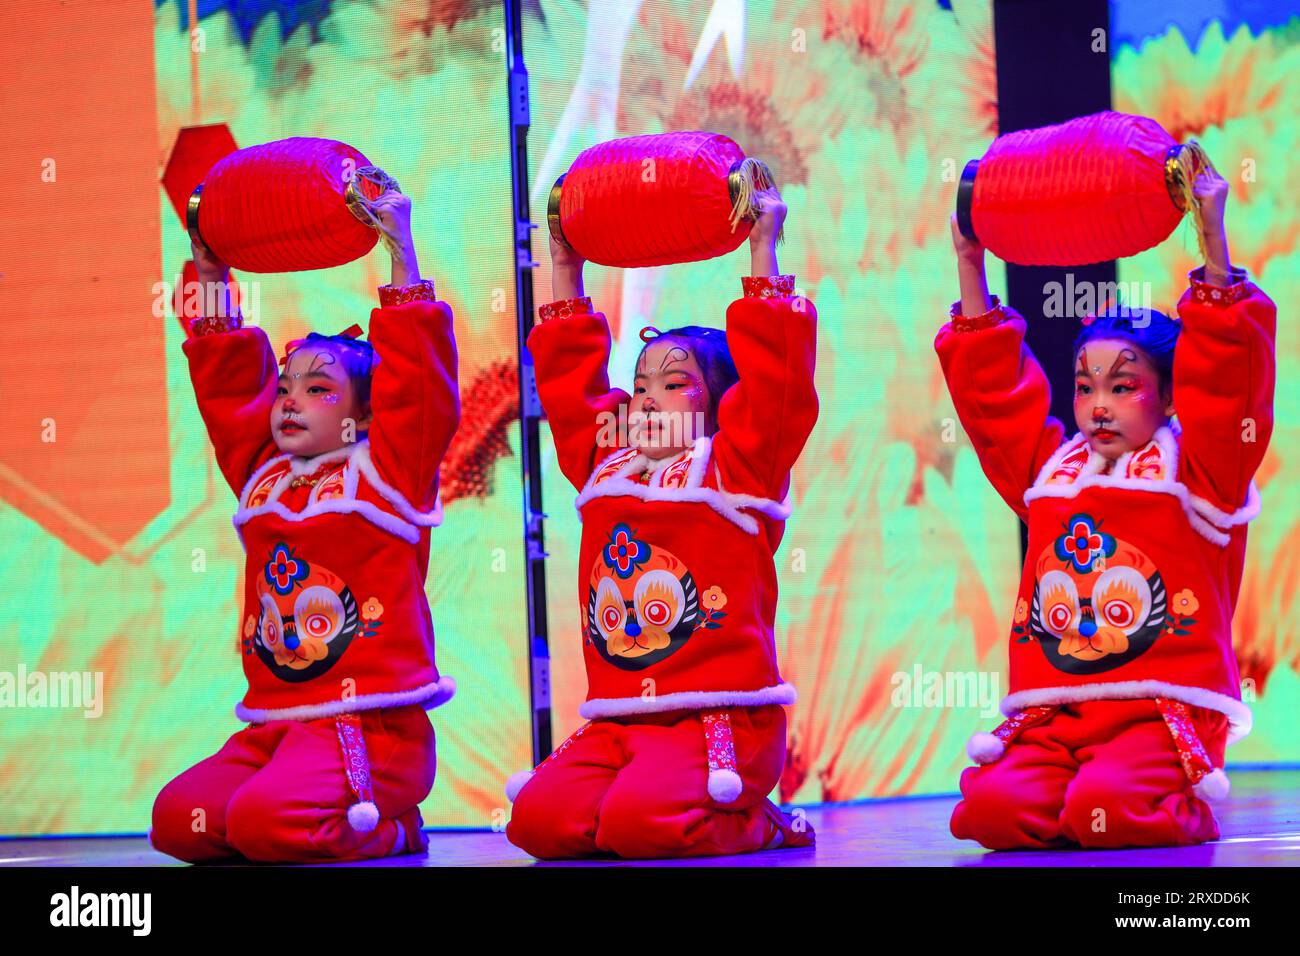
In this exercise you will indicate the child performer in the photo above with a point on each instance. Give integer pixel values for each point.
(1124, 687)
(677, 586)
(337, 475)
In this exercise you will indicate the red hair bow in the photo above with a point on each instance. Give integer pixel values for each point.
(353, 331)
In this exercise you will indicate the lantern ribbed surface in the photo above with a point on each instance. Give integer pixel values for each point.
(280, 207)
(652, 200)
(1079, 192)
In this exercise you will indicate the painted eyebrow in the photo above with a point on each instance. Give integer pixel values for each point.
(671, 371)
(1125, 355)
(328, 378)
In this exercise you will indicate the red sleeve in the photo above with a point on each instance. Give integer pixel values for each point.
(1224, 372)
(235, 376)
(570, 349)
(414, 394)
(1002, 399)
(766, 417)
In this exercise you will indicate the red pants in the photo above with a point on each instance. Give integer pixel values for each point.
(1102, 773)
(278, 792)
(638, 787)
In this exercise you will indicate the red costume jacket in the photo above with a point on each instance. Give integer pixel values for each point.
(335, 615)
(1133, 570)
(677, 586)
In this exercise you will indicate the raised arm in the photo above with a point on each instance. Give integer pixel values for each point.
(998, 389)
(414, 390)
(234, 372)
(1225, 366)
(570, 348)
(765, 419)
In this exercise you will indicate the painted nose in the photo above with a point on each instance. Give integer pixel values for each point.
(1087, 627)
(633, 629)
(291, 641)
(1099, 413)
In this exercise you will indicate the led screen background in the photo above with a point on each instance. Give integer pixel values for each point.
(118, 556)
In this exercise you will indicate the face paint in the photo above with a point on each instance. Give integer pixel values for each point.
(331, 398)
(1125, 356)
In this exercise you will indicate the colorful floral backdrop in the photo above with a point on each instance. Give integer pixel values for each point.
(1228, 75)
(900, 559)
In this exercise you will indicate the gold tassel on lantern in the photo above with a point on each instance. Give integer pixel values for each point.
(749, 177)
(361, 205)
(1182, 165)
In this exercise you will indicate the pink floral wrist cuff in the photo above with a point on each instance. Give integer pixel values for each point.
(421, 291)
(1202, 291)
(767, 287)
(973, 323)
(212, 325)
(563, 308)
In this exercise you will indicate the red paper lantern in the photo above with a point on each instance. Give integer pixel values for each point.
(285, 206)
(1095, 188)
(656, 200)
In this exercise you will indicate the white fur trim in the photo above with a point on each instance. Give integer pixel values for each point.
(1208, 521)
(985, 748)
(1238, 714)
(424, 519)
(363, 817)
(1213, 786)
(1247, 512)
(516, 783)
(730, 506)
(390, 523)
(725, 785)
(406, 524)
(430, 695)
(687, 700)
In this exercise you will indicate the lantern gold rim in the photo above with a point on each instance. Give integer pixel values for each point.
(357, 201)
(192, 217)
(553, 222)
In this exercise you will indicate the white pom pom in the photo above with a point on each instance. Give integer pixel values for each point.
(985, 748)
(363, 817)
(1213, 786)
(725, 785)
(516, 783)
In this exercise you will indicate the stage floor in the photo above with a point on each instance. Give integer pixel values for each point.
(1260, 823)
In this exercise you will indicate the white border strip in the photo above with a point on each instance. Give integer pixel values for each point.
(431, 695)
(1239, 717)
(782, 693)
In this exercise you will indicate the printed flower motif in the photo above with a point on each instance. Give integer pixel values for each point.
(1083, 543)
(624, 552)
(283, 571)
(250, 625)
(1022, 611)
(1184, 602)
(371, 610)
(713, 599)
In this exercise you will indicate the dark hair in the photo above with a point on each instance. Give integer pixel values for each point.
(709, 346)
(357, 356)
(1155, 333)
